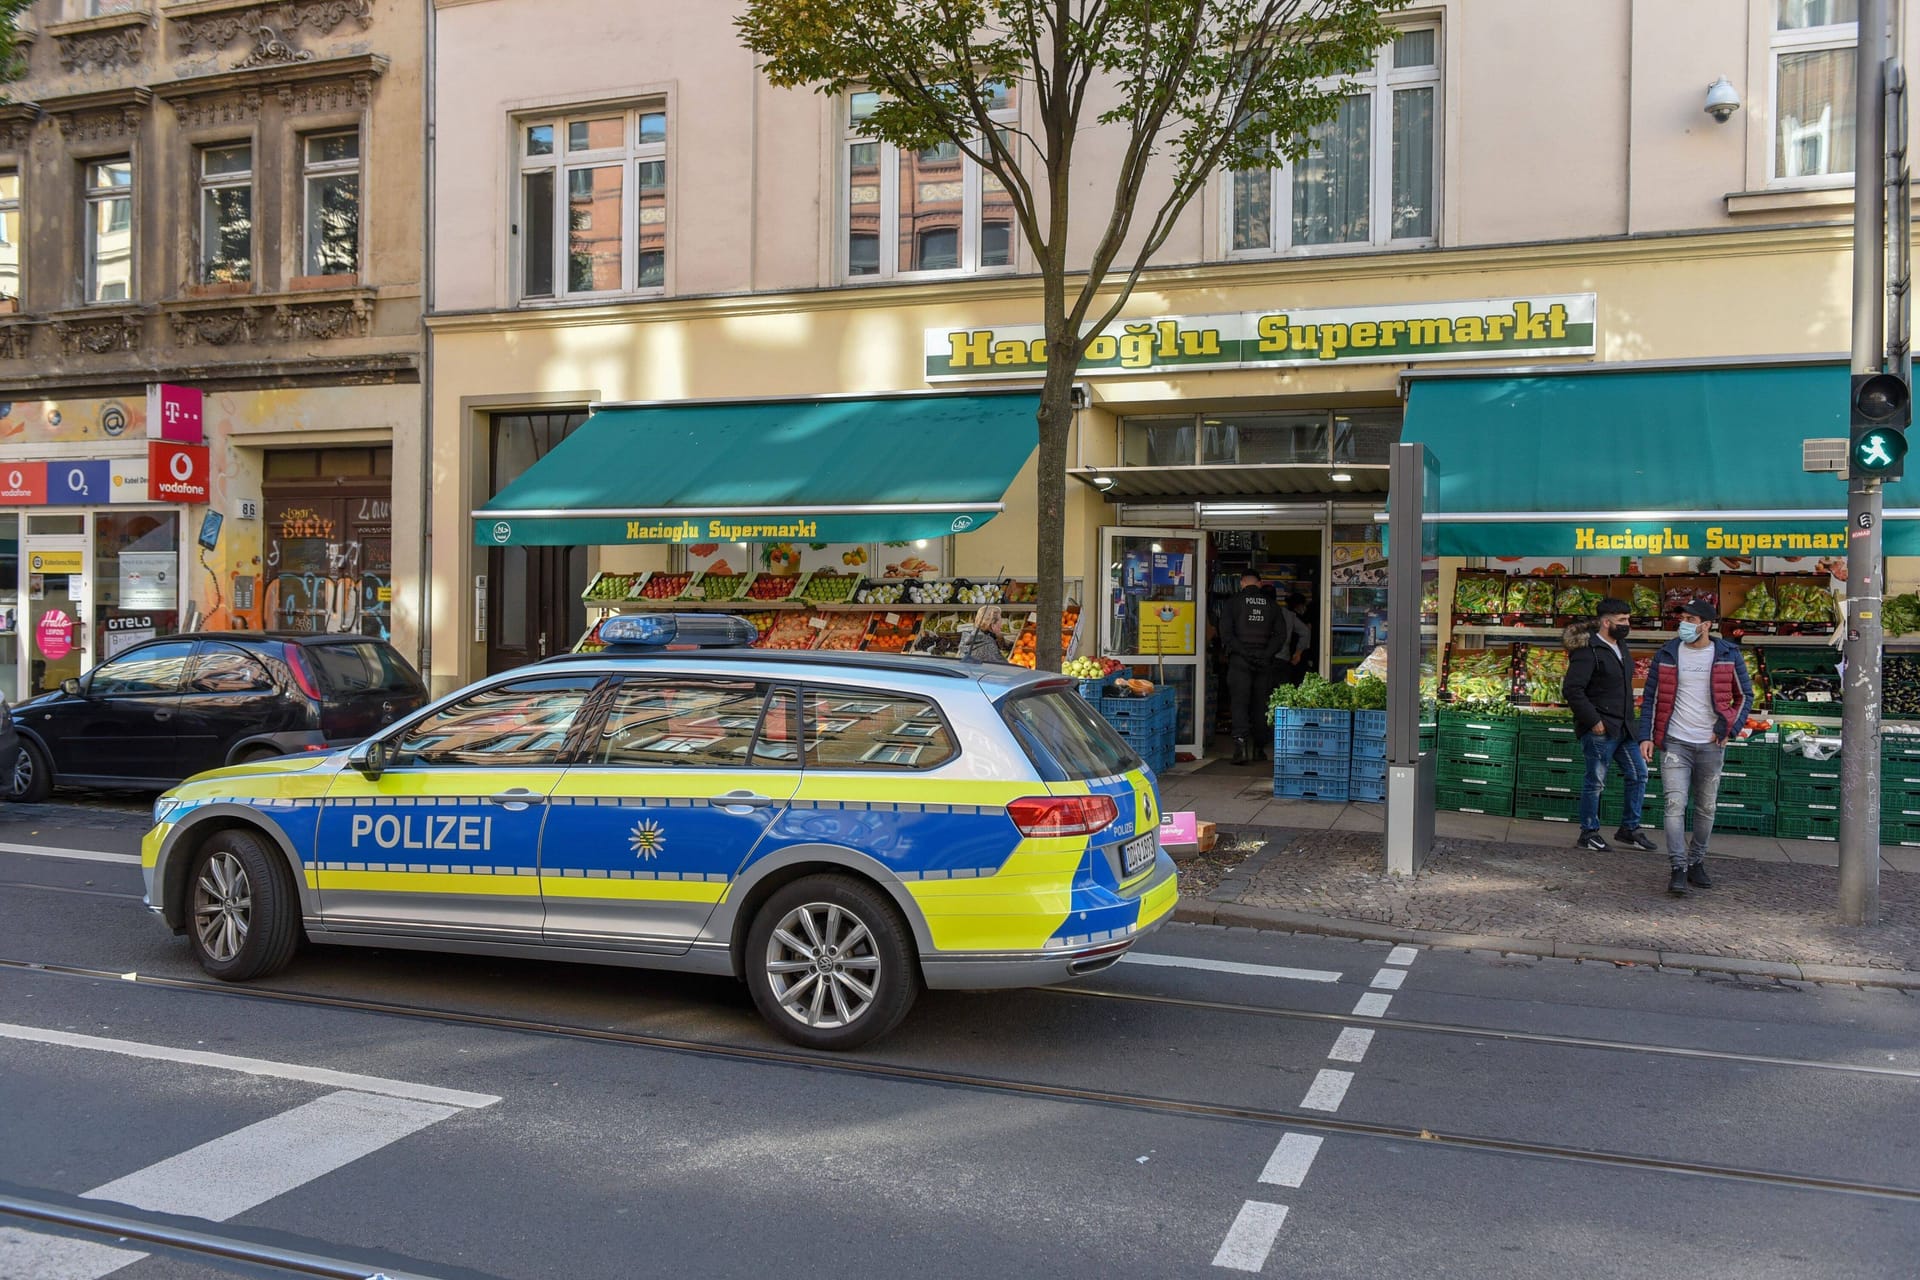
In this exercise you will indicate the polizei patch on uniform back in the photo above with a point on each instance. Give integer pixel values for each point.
(469, 834)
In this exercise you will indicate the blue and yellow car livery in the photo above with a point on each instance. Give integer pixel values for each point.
(651, 810)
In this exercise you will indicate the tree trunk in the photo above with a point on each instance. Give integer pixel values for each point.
(1056, 423)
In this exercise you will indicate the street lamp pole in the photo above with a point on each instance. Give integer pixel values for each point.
(1860, 700)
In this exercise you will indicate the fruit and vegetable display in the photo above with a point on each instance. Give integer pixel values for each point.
(1900, 615)
(1479, 597)
(1805, 602)
(891, 637)
(611, 586)
(1530, 596)
(717, 586)
(1090, 668)
(829, 588)
(665, 586)
(880, 593)
(1315, 693)
(789, 631)
(1682, 591)
(1543, 669)
(1133, 688)
(762, 622)
(1480, 673)
(1022, 592)
(1025, 646)
(937, 592)
(1645, 600)
(1430, 598)
(1577, 602)
(1756, 675)
(1759, 606)
(1821, 685)
(985, 593)
(771, 586)
(1900, 687)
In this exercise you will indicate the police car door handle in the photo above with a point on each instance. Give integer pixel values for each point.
(741, 800)
(517, 799)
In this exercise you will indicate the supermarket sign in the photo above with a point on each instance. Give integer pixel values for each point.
(905, 525)
(1541, 325)
(1789, 538)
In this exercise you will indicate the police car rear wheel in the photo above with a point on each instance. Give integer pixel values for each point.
(242, 919)
(830, 963)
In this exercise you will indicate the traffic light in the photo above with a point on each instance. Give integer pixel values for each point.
(1881, 408)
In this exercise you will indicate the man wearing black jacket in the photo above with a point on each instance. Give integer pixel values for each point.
(1252, 633)
(1599, 689)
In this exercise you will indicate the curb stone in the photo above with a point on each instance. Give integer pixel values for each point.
(1273, 920)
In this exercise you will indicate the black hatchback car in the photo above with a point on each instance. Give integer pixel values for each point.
(170, 708)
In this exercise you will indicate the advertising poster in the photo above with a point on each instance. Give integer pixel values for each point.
(148, 579)
(1166, 628)
(54, 635)
(1359, 564)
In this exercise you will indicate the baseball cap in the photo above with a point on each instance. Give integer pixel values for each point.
(1700, 609)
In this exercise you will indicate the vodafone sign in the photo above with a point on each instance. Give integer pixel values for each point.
(175, 472)
(23, 483)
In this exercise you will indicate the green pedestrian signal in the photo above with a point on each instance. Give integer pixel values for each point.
(1881, 408)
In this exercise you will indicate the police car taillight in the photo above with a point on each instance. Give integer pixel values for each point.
(1062, 815)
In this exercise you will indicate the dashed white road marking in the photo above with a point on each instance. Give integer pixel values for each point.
(78, 855)
(1372, 1005)
(1403, 955)
(1352, 1045)
(1231, 966)
(1389, 979)
(224, 1178)
(1250, 1238)
(252, 1066)
(1328, 1089)
(25, 1254)
(1288, 1165)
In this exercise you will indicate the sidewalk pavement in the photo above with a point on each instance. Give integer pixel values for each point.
(1515, 886)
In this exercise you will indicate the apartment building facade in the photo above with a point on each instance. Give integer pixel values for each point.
(639, 217)
(219, 196)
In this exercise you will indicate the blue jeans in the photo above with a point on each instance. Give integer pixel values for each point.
(1688, 769)
(1615, 748)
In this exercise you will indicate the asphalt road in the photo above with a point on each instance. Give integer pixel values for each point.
(1229, 1102)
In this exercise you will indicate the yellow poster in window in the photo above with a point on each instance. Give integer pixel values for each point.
(1166, 628)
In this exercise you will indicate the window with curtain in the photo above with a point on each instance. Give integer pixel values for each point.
(1813, 88)
(912, 212)
(1369, 177)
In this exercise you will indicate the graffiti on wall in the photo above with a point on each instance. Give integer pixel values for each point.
(329, 566)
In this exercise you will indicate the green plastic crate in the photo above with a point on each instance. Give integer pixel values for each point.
(1470, 800)
(1546, 809)
(1797, 768)
(1758, 822)
(1809, 797)
(1803, 826)
(1906, 832)
(1734, 786)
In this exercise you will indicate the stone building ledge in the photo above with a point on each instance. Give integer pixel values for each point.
(108, 42)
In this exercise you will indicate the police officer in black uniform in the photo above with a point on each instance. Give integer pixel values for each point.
(1253, 634)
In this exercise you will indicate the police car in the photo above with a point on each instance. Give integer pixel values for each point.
(838, 830)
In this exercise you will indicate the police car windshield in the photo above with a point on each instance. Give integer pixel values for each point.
(1063, 737)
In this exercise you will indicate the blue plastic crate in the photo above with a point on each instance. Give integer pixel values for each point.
(1368, 771)
(1311, 767)
(1370, 749)
(1313, 718)
(1367, 792)
(1311, 742)
(1310, 789)
(1370, 725)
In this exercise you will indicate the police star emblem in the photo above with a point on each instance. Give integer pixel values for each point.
(647, 839)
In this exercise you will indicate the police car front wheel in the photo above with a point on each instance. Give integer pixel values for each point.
(243, 918)
(830, 963)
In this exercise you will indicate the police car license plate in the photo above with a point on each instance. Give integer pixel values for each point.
(1136, 855)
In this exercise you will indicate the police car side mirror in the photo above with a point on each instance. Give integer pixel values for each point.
(71, 687)
(370, 759)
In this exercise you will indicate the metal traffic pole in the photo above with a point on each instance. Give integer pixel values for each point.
(1860, 700)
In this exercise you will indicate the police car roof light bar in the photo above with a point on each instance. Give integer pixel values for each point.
(677, 630)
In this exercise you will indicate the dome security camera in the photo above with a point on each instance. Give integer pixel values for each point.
(1722, 100)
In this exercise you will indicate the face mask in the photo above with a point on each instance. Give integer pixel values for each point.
(1619, 632)
(1689, 632)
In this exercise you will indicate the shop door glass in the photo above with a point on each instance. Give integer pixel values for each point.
(55, 630)
(1154, 611)
(534, 609)
(136, 579)
(10, 581)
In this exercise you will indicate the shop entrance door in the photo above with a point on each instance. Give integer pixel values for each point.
(53, 566)
(1153, 613)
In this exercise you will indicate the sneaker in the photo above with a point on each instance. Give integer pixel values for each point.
(1591, 840)
(1239, 750)
(1697, 876)
(1677, 883)
(1634, 837)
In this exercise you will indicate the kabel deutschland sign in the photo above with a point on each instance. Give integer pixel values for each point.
(1546, 325)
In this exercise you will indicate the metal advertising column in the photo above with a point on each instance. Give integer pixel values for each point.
(1409, 770)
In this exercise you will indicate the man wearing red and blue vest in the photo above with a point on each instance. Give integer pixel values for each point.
(1697, 697)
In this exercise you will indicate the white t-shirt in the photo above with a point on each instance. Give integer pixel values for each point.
(1692, 720)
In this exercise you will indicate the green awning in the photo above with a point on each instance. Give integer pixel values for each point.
(877, 469)
(1685, 462)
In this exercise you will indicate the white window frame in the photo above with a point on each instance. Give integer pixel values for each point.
(1837, 35)
(632, 152)
(223, 182)
(312, 171)
(16, 204)
(1382, 80)
(971, 227)
(93, 196)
